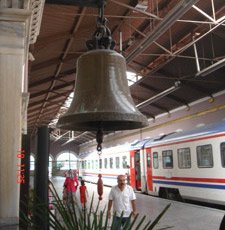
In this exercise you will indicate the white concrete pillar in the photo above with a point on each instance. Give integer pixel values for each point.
(13, 53)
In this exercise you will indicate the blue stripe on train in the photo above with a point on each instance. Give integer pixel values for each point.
(213, 186)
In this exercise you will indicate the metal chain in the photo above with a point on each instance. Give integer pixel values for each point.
(102, 38)
(99, 160)
(99, 139)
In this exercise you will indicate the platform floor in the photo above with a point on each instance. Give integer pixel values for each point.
(179, 216)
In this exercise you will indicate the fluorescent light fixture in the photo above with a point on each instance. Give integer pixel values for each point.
(142, 5)
(74, 137)
(60, 136)
(211, 68)
(132, 77)
(160, 95)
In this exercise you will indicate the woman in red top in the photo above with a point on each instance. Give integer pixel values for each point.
(83, 193)
(70, 186)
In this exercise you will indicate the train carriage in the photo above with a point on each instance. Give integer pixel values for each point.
(188, 165)
(112, 162)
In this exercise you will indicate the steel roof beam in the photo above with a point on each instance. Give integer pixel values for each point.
(177, 12)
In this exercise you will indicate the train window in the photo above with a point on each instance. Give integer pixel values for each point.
(92, 164)
(167, 158)
(222, 151)
(124, 159)
(117, 162)
(105, 163)
(205, 156)
(111, 162)
(100, 163)
(96, 164)
(148, 159)
(155, 160)
(89, 164)
(184, 158)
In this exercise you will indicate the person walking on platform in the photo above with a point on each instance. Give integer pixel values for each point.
(71, 184)
(83, 194)
(123, 199)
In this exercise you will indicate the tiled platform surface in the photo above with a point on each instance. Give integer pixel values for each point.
(180, 216)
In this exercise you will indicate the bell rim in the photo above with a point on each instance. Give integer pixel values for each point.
(106, 121)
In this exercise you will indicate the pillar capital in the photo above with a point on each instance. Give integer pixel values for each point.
(11, 14)
(28, 11)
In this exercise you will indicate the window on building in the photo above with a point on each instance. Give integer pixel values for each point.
(184, 158)
(32, 163)
(205, 156)
(167, 158)
(66, 161)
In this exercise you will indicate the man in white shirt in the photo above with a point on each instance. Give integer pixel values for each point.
(123, 198)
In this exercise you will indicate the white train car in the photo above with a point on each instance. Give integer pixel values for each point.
(187, 165)
(112, 162)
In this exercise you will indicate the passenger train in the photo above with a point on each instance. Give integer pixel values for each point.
(184, 165)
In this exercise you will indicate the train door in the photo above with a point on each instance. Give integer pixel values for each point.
(135, 169)
(149, 169)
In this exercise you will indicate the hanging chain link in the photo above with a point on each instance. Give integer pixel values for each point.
(99, 139)
(102, 38)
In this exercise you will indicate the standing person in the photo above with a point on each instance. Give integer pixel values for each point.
(123, 199)
(71, 184)
(83, 194)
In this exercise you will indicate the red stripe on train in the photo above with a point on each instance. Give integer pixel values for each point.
(194, 179)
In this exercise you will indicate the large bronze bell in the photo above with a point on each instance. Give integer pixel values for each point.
(102, 97)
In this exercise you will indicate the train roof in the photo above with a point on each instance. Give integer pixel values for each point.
(140, 144)
(196, 132)
(175, 136)
(213, 128)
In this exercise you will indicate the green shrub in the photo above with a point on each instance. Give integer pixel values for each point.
(72, 217)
